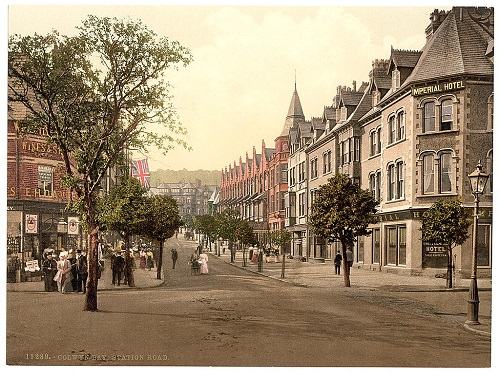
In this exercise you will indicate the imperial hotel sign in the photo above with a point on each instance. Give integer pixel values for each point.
(437, 88)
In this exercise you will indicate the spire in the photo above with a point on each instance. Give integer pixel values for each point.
(295, 113)
(295, 80)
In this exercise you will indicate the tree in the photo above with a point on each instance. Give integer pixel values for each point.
(162, 220)
(228, 222)
(207, 225)
(95, 94)
(341, 212)
(245, 235)
(446, 223)
(281, 238)
(122, 210)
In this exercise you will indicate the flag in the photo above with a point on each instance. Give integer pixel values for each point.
(140, 170)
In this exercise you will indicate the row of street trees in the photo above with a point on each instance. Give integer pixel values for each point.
(128, 210)
(94, 94)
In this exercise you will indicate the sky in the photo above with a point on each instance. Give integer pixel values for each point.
(237, 90)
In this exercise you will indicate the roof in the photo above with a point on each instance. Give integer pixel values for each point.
(457, 47)
(317, 123)
(364, 105)
(329, 113)
(257, 158)
(383, 82)
(269, 153)
(349, 97)
(404, 58)
(294, 114)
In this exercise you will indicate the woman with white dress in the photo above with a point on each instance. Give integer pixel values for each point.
(204, 263)
(63, 275)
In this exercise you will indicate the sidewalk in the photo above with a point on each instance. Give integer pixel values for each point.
(429, 290)
(143, 279)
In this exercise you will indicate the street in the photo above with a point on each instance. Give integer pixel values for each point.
(234, 318)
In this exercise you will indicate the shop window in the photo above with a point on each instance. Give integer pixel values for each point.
(376, 246)
(445, 173)
(396, 245)
(446, 115)
(45, 180)
(484, 245)
(429, 117)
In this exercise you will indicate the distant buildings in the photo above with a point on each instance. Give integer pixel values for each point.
(411, 135)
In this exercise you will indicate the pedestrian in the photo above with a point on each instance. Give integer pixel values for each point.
(49, 269)
(74, 273)
(82, 271)
(250, 254)
(142, 260)
(174, 257)
(223, 251)
(349, 257)
(337, 261)
(118, 266)
(194, 262)
(149, 259)
(204, 263)
(63, 275)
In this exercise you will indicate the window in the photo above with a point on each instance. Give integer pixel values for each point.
(396, 245)
(401, 126)
(378, 182)
(428, 175)
(314, 168)
(327, 162)
(302, 204)
(357, 149)
(484, 245)
(302, 171)
(392, 129)
(373, 143)
(489, 170)
(284, 174)
(446, 115)
(429, 117)
(490, 113)
(360, 249)
(395, 79)
(445, 172)
(400, 188)
(376, 246)
(379, 140)
(282, 200)
(375, 98)
(313, 196)
(345, 152)
(375, 185)
(45, 180)
(391, 182)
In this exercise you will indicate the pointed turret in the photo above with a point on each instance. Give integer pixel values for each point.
(295, 113)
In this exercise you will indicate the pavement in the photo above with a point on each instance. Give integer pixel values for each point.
(232, 317)
(448, 302)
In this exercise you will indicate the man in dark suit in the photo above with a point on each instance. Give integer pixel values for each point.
(118, 265)
(49, 269)
(82, 271)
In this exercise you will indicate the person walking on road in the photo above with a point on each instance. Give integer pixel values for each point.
(174, 257)
(49, 269)
(204, 263)
(63, 275)
(82, 272)
(349, 257)
(117, 267)
(149, 260)
(337, 261)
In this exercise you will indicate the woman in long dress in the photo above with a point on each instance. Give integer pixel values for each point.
(63, 275)
(204, 264)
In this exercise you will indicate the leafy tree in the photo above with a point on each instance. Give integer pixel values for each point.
(245, 235)
(162, 220)
(446, 223)
(281, 238)
(228, 222)
(207, 225)
(122, 210)
(341, 212)
(94, 94)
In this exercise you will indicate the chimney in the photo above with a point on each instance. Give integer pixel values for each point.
(436, 18)
(354, 86)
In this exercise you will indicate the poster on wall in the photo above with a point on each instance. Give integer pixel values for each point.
(31, 224)
(73, 225)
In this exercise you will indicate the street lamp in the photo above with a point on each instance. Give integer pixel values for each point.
(478, 181)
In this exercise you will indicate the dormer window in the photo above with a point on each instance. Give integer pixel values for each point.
(375, 98)
(395, 79)
(343, 113)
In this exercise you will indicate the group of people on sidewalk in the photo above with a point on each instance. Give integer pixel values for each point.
(199, 262)
(68, 274)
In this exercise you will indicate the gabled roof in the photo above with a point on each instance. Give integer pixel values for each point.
(294, 115)
(257, 159)
(269, 153)
(457, 47)
(317, 123)
(350, 98)
(363, 107)
(329, 113)
(404, 58)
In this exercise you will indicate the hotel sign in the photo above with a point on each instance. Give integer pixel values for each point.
(438, 87)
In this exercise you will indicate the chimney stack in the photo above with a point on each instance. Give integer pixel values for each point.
(354, 86)
(436, 18)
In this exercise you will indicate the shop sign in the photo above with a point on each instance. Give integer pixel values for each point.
(73, 225)
(434, 256)
(31, 224)
(437, 88)
(32, 266)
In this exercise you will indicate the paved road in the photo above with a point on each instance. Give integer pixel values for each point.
(232, 317)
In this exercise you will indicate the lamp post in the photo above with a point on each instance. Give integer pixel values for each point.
(478, 181)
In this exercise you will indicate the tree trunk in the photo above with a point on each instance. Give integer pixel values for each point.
(93, 263)
(231, 251)
(449, 275)
(244, 257)
(129, 271)
(282, 261)
(160, 261)
(347, 270)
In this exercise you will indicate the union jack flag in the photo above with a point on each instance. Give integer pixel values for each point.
(140, 170)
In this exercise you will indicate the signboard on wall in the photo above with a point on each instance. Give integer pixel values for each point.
(434, 256)
(31, 224)
(73, 225)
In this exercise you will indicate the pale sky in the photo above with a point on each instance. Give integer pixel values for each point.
(238, 88)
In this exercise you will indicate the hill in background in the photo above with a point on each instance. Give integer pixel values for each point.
(169, 175)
